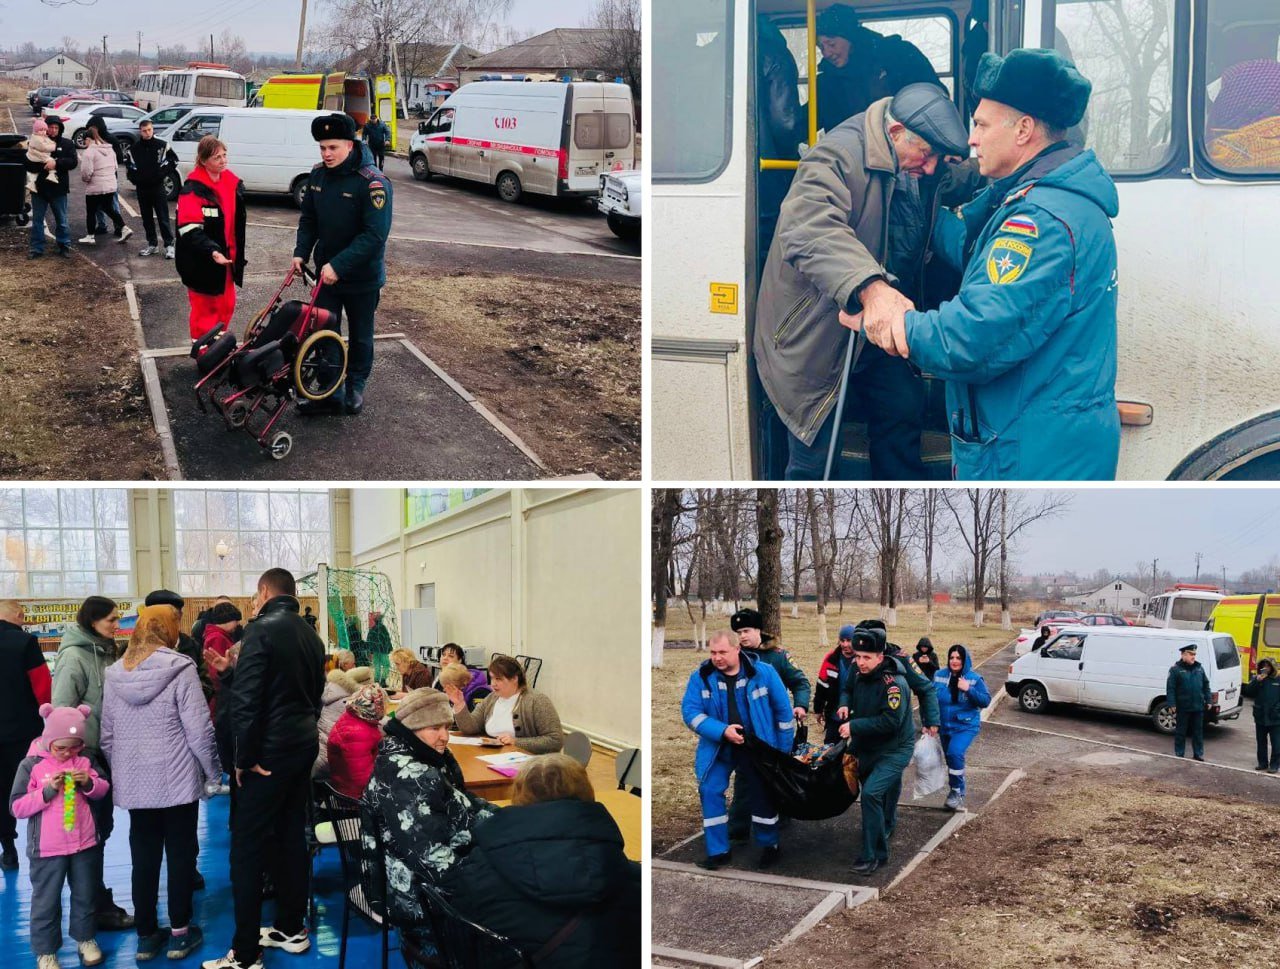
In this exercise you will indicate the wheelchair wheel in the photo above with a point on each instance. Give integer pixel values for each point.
(320, 365)
(236, 414)
(281, 445)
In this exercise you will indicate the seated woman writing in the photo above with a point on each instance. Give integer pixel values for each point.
(413, 675)
(553, 858)
(416, 801)
(512, 713)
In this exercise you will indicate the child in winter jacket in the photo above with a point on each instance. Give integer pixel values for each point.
(40, 148)
(52, 789)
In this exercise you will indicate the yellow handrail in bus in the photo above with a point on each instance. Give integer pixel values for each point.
(811, 25)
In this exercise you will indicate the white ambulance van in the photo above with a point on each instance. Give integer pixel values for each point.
(1124, 669)
(545, 137)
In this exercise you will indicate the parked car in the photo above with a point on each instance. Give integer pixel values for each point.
(1026, 637)
(79, 94)
(1124, 670)
(114, 97)
(120, 119)
(70, 107)
(1103, 619)
(1056, 614)
(44, 96)
(162, 119)
(621, 195)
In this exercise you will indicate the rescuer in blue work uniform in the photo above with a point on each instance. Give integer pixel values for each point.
(729, 696)
(1028, 347)
(883, 736)
(345, 221)
(962, 696)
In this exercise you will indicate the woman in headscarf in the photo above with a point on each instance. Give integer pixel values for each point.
(158, 736)
(962, 694)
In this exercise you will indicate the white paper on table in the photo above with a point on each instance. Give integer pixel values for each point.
(504, 760)
(467, 741)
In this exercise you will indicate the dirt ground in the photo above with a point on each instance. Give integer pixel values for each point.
(72, 395)
(675, 793)
(1068, 870)
(555, 359)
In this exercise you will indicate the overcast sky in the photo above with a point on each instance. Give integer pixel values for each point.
(1114, 529)
(265, 26)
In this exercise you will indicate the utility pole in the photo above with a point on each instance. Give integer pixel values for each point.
(211, 47)
(1198, 556)
(102, 69)
(302, 30)
(1224, 580)
(138, 73)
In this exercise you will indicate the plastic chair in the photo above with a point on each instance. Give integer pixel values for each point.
(627, 769)
(532, 667)
(463, 944)
(358, 895)
(578, 746)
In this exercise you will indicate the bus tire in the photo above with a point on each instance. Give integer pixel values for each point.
(1249, 451)
(628, 229)
(421, 167)
(298, 190)
(509, 188)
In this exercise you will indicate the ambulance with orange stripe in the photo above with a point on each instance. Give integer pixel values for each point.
(544, 137)
(1254, 623)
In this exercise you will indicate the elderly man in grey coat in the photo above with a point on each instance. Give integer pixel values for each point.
(852, 235)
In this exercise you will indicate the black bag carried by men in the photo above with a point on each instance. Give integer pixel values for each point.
(808, 791)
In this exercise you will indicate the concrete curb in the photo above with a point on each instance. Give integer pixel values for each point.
(853, 894)
(704, 959)
(160, 416)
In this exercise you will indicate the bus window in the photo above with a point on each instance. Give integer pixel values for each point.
(932, 36)
(1193, 610)
(692, 72)
(225, 88)
(1125, 49)
(1240, 54)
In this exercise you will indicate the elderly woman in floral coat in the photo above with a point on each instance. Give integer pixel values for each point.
(416, 803)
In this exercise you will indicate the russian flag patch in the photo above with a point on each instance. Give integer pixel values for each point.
(1020, 225)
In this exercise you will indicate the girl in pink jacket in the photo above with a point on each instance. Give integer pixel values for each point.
(98, 170)
(53, 788)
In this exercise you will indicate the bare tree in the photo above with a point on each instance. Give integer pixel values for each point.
(932, 528)
(799, 527)
(883, 514)
(768, 561)
(618, 49)
(819, 508)
(231, 50)
(666, 508)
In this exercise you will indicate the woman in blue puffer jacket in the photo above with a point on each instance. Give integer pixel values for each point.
(962, 693)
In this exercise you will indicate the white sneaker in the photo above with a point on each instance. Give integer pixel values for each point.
(88, 240)
(168, 252)
(90, 954)
(47, 962)
(124, 234)
(149, 251)
(275, 939)
(229, 962)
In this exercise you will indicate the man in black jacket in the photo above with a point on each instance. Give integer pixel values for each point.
(275, 704)
(147, 163)
(52, 186)
(25, 683)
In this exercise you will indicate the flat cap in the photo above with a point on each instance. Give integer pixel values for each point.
(928, 111)
(163, 597)
(330, 126)
(1037, 81)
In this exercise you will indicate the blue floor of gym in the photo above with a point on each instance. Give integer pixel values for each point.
(213, 909)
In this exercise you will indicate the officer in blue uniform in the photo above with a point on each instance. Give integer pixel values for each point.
(1028, 347)
(729, 696)
(345, 221)
(883, 736)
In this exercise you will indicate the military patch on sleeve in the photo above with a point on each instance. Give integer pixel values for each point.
(915, 667)
(377, 194)
(1007, 260)
(1020, 225)
(894, 697)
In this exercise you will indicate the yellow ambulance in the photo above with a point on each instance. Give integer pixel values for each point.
(355, 94)
(1254, 624)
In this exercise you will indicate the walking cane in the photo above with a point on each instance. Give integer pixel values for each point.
(850, 358)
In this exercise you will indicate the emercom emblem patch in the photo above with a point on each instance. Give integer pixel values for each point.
(1007, 260)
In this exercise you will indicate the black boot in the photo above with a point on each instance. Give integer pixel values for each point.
(110, 917)
(9, 856)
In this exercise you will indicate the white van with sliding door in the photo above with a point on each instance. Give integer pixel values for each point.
(544, 137)
(1124, 669)
(270, 149)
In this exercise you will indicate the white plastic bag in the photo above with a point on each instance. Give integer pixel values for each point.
(931, 766)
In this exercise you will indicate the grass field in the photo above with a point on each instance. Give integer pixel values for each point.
(675, 794)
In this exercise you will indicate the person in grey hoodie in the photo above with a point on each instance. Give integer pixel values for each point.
(88, 647)
(339, 685)
(158, 736)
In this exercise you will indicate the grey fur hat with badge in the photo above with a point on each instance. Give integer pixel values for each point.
(424, 707)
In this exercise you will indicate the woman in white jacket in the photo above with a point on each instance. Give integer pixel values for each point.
(98, 170)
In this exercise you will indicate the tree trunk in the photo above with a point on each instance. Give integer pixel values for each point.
(819, 566)
(666, 507)
(1005, 622)
(768, 560)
